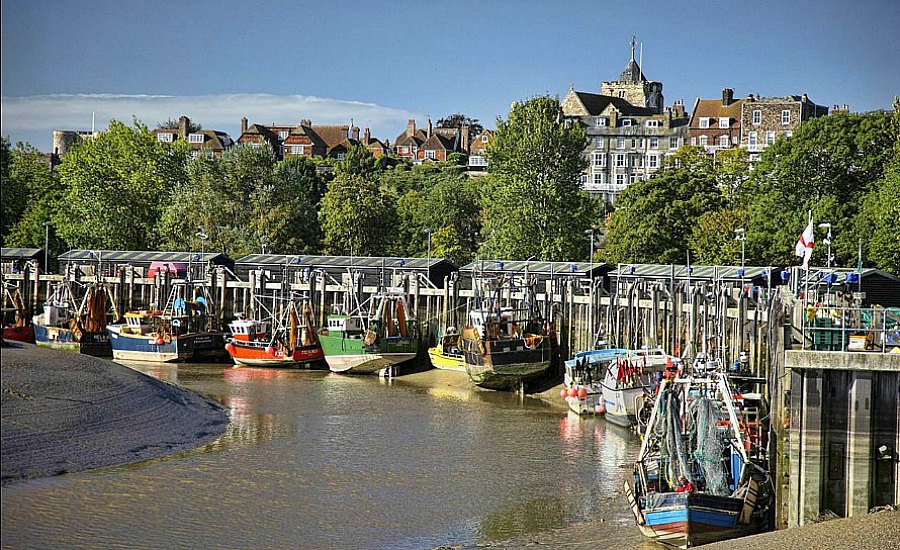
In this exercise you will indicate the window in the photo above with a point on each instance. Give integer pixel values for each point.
(723, 141)
(704, 122)
(598, 143)
(788, 133)
(724, 122)
(652, 124)
(620, 179)
(403, 149)
(757, 116)
(626, 122)
(693, 141)
(654, 143)
(770, 138)
(298, 149)
(340, 156)
(652, 161)
(195, 138)
(622, 94)
(620, 143)
(283, 134)
(620, 160)
(751, 139)
(430, 154)
(704, 141)
(599, 159)
(599, 178)
(633, 143)
(601, 121)
(632, 178)
(582, 179)
(165, 137)
(673, 143)
(484, 139)
(785, 117)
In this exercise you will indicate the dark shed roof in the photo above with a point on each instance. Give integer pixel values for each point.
(140, 257)
(435, 268)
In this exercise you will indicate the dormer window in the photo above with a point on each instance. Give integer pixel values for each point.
(622, 94)
(626, 122)
(195, 138)
(600, 121)
(165, 137)
(704, 122)
(652, 124)
(283, 134)
(723, 122)
(484, 139)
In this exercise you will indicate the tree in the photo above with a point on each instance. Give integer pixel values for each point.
(14, 191)
(356, 217)
(532, 200)
(458, 120)
(175, 124)
(39, 197)
(358, 161)
(713, 239)
(655, 218)
(116, 188)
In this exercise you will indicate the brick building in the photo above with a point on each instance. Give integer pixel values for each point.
(477, 160)
(764, 119)
(716, 123)
(431, 144)
(629, 131)
(309, 140)
(212, 142)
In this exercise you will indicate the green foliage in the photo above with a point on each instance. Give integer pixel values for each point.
(358, 161)
(116, 188)
(533, 204)
(36, 192)
(456, 120)
(356, 216)
(713, 239)
(655, 218)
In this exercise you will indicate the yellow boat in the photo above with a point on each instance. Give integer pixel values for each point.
(446, 355)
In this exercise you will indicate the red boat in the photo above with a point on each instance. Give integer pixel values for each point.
(290, 344)
(21, 331)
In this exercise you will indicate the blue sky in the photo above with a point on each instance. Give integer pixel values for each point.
(381, 63)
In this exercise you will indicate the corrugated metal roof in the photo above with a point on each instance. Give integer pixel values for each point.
(534, 266)
(140, 256)
(21, 252)
(340, 261)
(696, 271)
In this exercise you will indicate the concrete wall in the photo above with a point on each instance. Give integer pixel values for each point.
(844, 433)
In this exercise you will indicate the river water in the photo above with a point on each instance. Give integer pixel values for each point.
(314, 459)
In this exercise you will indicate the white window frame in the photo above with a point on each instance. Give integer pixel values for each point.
(704, 140)
(653, 161)
(752, 139)
(340, 156)
(770, 137)
(704, 122)
(724, 141)
(620, 179)
(788, 133)
(599, 178)
(694, 141)
(620, 160)
(785, 117)
(673, 142)
(620, 143)
(724, 122)
(600, 121)
(165, 137)
(598, 159)
(430, 154)
(484, 139)
(298, 149)
(626, 122)
(195, 138)
(652, 124)
(757, 116)
(283, 134)
(654, 142)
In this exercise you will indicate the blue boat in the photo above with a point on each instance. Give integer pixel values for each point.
(79, 328)
(702, 471)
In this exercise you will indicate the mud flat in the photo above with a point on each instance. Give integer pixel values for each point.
(65, 412)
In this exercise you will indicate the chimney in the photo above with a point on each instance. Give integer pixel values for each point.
(354, 133)
(305, 122)
(184, 123)
(243, 125)
(367, 136)
(803, 98)
(428, 129)
(727, 96)
(411, 127)
(464, 138)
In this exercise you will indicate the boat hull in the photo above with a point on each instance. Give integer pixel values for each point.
(687, 520)
(91, 343)
(505, 365)
(366, 363)
(587, 404)
(193, 346)
(304, 357)
(443, 361)
(19, 334)
(351, 355)
(620, 405)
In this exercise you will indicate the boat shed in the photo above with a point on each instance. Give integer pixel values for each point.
(879, 287)
(12, 260)
(736, 275)
(375, 269)
(146, 262)
(541, 270)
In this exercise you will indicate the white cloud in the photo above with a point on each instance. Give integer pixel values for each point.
(30, 117)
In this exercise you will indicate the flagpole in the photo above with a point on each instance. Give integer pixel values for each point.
(809, 223)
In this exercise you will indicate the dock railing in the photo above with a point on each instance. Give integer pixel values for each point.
(833, 328)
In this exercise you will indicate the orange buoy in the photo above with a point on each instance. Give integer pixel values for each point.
(159, 340)
(572, 392)
(582, 393)
(562, 393)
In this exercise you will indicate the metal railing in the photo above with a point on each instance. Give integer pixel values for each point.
(833, 328)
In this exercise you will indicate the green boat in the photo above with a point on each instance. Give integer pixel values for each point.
(373, 341)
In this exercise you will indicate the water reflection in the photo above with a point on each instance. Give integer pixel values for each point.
(314, 459)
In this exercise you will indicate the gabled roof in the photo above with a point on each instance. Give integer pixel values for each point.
(23, 253)
(439, 141)
(214, 139)
(311, 134)
(142, 256)
(418, 137)
(332, 135)
(410, 140)
(595, 104)
(713, 108)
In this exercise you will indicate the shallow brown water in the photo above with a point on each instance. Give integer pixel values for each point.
(313, 459)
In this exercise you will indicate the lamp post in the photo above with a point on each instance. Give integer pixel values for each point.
(46, 244)
(428, 265)
(201, 234)
(740, 234)
(590, 232)
(827, 242)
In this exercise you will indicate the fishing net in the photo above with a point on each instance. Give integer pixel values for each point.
(709, 447)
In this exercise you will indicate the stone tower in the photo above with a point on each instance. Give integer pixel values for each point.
(633, 87)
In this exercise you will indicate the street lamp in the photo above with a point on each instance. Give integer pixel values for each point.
(740, 234)
(591, 233)
(201, 234)
(827, 242)
(428, 265)
(46, 244)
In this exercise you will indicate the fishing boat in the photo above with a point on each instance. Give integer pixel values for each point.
(702, 472)
(446, 355)
(291, 343)
(75, 326)
(582, 387)
(181, 331)
(370, 340)
(19, 330)
(506, 347)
